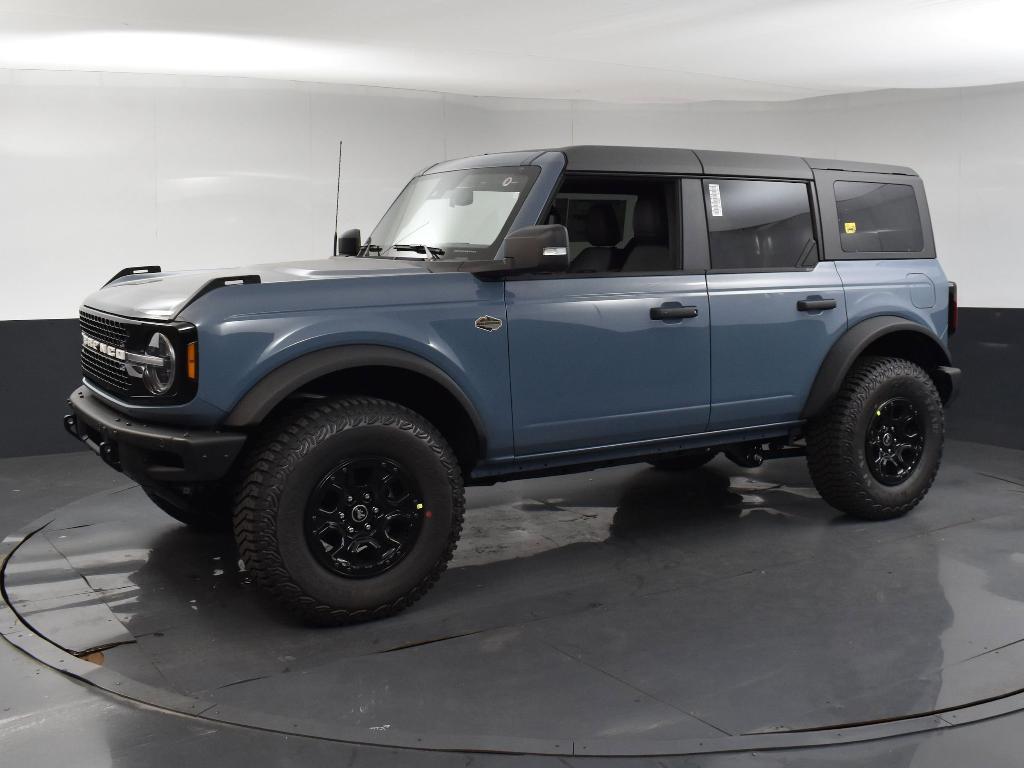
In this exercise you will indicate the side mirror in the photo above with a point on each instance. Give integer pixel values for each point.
(349, 242)
(541, 248)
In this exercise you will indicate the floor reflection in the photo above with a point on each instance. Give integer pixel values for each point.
(731, 597)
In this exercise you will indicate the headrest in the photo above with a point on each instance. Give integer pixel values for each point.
(602, 225)
(649, 220)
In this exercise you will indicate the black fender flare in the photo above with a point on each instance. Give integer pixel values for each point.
(851, 345)
(286, 379)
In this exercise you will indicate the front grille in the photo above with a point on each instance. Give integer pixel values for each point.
(103, 328)
(102, 370)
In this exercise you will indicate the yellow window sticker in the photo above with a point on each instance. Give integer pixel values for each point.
(850, 227)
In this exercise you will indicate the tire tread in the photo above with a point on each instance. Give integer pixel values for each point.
(285, 442)
(832, 450)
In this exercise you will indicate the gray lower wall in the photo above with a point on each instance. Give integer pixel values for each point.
(40, 367)
(38, 370)
(989, 347)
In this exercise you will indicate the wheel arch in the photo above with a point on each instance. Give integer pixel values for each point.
(377, 371)
(886, 335)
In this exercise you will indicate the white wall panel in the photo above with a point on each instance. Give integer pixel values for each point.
(388, 136)
(77, 187)
(990, 254)
(232, 167)
(100, 171)
(475, 125)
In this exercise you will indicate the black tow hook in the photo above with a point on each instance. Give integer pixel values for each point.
(71, 425)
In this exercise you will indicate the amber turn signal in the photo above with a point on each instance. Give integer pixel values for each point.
(192, 359)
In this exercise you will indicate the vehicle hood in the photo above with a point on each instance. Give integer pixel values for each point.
(162, 295)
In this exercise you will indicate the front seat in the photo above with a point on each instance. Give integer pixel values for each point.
(603, 233)
(648, 251)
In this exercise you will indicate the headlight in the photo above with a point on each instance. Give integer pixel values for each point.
(159, 378)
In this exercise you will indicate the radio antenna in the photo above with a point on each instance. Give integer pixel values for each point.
(337, 204)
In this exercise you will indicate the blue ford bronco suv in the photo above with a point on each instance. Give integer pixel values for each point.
(519, 314)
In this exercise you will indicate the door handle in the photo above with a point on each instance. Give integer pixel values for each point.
(672, 313)
(815, 305)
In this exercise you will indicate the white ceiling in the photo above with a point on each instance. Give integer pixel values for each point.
(611, 50)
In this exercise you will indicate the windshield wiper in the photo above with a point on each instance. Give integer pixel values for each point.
(427, 250)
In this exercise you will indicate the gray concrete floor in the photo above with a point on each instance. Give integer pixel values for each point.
(626, 602)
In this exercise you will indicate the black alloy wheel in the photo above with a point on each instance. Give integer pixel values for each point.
(364, 516)
(895, 441)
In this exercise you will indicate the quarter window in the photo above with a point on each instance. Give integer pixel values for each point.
(878, 218)
(759, 224)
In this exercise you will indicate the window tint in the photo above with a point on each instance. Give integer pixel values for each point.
(576, 211)
(759, 224)
(618, 224)
(877, 218)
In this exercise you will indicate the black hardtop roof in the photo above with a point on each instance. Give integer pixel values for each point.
(668, 160)
(617, 159)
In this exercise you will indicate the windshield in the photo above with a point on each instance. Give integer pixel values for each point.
(452, 215)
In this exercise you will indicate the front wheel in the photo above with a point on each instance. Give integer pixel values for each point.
(350, 510)
(875, 451)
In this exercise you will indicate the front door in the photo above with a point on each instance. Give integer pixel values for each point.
(616, 351)
(775, 309)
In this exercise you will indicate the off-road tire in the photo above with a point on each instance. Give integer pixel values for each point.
(289, 458)
(685, 462)
(836, 440)
(210, 511)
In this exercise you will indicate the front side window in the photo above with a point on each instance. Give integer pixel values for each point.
(754, 224)
(458, 215)
(618, 223)
(878, 218)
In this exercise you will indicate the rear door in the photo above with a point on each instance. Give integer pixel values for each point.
(776, 309)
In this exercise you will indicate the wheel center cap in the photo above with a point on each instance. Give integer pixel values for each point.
(360, 513)
(887, 439)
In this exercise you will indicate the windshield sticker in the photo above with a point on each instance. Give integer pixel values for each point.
(850, 227)
(715, 197)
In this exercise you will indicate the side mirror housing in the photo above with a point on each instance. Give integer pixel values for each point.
(349, 243)
(541, 248)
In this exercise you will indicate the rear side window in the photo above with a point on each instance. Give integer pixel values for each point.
(759, 224)
(878, 218)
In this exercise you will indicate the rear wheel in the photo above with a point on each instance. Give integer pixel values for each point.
(875, 451)
(682, 462)
(350, 510)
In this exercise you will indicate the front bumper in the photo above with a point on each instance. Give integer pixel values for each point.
(150, 453)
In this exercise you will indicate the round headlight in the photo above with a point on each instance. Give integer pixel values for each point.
(159, 378)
